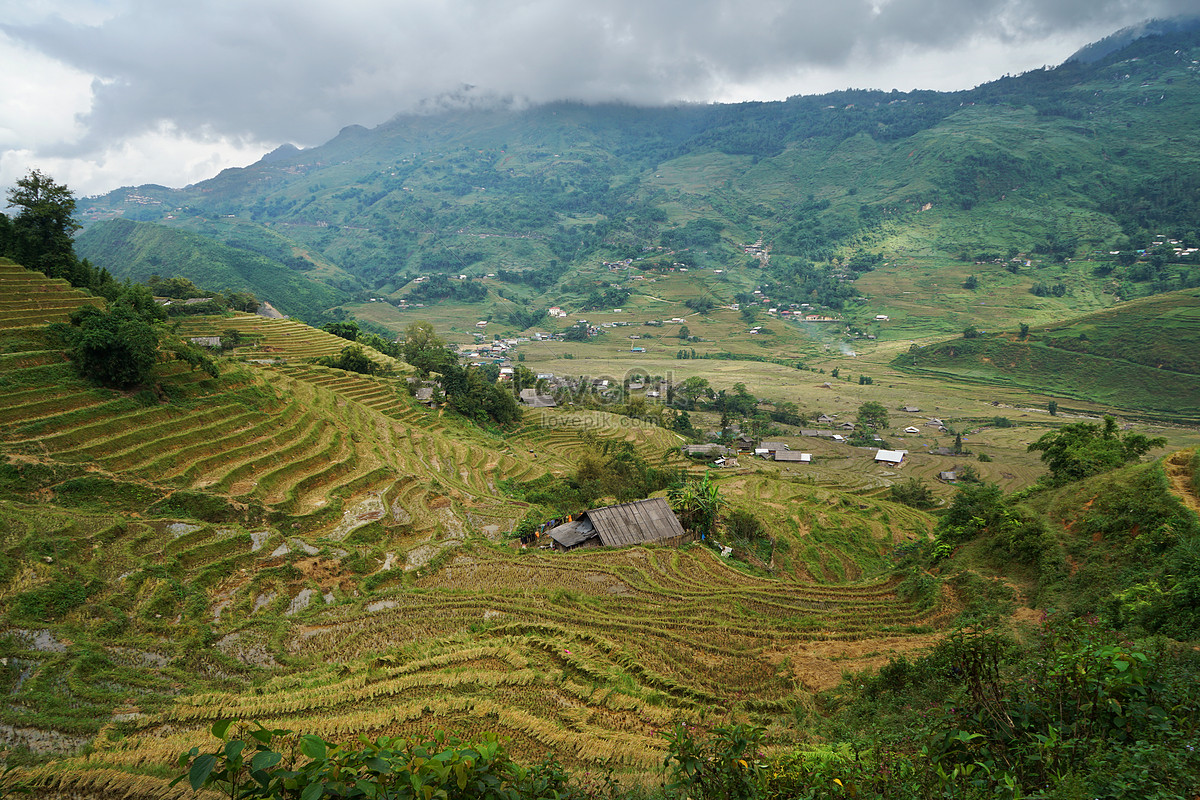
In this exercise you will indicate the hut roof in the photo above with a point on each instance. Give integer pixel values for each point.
(791, 455)
(642, 522)
(573, 533)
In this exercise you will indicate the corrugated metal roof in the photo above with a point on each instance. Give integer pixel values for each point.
(643, 522)
(572, 533)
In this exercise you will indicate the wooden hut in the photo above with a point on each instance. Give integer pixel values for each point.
(643, 522)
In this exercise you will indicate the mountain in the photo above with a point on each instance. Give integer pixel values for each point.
(1095, 155)
(1126, 36)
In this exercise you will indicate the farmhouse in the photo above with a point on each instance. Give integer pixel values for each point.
(788, 455)
(530, 397)
(706, 450)
(772, 447)
(893, 457)
(643, 522)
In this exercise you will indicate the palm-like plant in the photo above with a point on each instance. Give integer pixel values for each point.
(698, 504)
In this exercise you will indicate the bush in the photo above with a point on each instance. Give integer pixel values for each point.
(744, 525)
(913, 492)
(280, 764)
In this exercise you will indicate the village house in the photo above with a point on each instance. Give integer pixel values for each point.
(893, 457)
(531, 398)
(712, 449)
(642, 522)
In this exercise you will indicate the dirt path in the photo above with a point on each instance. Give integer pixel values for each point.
(1178, 467)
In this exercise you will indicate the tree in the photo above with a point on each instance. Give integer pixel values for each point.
(576, 333)
(972, 282)
(353, 358)
(693, 388)
(698, 505)
(1081, 449)
(424, 350)
(873, 415)
(347, 329)
(1024, 332)
(42, 233)
(970, 332)
(1052, 407)
(116, 348)
(913, 492)
(684, 333)
(243, 301)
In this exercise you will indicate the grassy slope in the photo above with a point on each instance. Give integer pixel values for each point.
(1141, 356)
(132, 250)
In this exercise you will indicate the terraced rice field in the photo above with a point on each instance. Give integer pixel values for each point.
(29, 298)
(311, 549)
(589, 655)
(277, 339)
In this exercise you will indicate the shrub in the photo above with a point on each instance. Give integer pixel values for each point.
(280, 764)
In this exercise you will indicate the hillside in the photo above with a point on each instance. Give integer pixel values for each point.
(296, 544)
(147, 250)
(1027, 171)
(1141, 356)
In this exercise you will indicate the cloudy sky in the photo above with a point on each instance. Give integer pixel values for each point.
(106, 93)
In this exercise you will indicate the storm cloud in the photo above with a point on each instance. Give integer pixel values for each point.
(119, 89)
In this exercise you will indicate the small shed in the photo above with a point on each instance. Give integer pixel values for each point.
(890, 456)
(642, 522)
(706, 450)
(911, 429)
(772, 447)
(802, 458)
(531, 398)
(948, 477)
(424, 395)
(911, 409)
